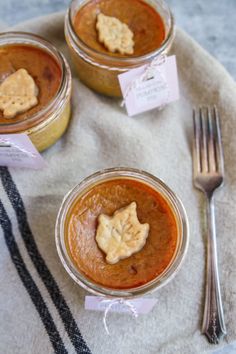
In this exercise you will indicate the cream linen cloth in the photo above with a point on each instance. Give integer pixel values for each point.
(37, 317)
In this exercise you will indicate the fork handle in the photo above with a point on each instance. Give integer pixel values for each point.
(213, 320)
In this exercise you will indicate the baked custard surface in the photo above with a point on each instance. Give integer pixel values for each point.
(142, 19)
(40, 65)
(106, 198)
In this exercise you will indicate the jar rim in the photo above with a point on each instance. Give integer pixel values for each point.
(137, 60)
(34, 40)
(155, 183)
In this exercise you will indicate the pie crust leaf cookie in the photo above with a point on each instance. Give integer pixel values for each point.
(18, 93)
(121, 235)
(114, 34)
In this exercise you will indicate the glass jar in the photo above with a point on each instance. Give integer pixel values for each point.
(46, 126)
(100, 71)
(156, 184)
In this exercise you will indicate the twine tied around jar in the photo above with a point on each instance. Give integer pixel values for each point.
(7, 143)
(148, 74)
(111, 303)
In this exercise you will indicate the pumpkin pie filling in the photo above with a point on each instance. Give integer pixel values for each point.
(35, 88)
(40, 65)
(106, 198)
(141, 18)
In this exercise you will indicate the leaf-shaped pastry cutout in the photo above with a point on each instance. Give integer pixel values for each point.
(121, 235)
(18, 93)
(114, 34)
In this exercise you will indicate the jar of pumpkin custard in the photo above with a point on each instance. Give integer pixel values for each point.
(150, 21)
(46, 83)
(106, 194)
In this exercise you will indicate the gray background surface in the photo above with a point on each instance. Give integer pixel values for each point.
(211, 22)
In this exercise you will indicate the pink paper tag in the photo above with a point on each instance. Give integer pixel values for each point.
(142, 95)
(17, 150)
(141, 305)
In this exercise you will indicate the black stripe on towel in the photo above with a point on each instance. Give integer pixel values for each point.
(39, 263)
(29, 283)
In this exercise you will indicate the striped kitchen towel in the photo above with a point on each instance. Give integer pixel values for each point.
(41, 308)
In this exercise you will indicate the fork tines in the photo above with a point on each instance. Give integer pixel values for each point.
(207, 150)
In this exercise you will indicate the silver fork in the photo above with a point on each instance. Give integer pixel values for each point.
(208, 173)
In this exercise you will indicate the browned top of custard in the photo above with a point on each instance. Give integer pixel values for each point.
(143, 20)
(141, 267)
(40, 65)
